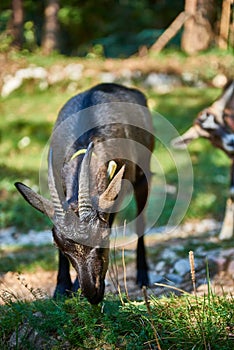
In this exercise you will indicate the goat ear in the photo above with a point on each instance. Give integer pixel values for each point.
(106, 199)
(36, 200)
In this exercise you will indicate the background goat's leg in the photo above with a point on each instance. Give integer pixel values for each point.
(228, 223)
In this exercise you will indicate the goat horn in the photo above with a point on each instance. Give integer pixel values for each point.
(84, 202)
(220, 104)
(58, 208)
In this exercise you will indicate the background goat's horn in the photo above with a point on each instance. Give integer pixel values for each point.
(220, 104)
(85, 204)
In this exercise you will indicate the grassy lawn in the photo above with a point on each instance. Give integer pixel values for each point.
(186, 322)
(27, 118)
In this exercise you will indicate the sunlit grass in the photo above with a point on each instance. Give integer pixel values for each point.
(185, 322)
(27, 118)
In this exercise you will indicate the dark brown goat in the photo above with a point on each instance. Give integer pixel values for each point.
(101, 137)
(216, 123)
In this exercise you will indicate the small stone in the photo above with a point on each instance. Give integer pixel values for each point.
(182, 267)
(160, 266)
(162, 82)
(168, 254)
(107, 77)
(155, 278)
(172, 278)
(219, 80)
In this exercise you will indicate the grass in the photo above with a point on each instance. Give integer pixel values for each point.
(185, 322)
(26, 113)
(28, 258)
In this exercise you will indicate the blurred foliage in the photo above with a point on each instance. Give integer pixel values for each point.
(28, 115)
(120, 27)
(28, 258)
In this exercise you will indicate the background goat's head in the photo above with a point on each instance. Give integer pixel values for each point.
(81, 233)
(215, 123)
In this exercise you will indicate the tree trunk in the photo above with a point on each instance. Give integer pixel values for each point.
(50, 40)
(198, 32)
(225, 25)
(15, 26)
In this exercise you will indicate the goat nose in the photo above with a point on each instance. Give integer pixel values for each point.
(95, 296)
(92, 291)
(94, 300)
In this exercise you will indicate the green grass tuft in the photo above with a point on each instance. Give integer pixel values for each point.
(182, 322)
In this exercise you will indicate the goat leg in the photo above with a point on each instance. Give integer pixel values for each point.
(228, 223)
(141, 194)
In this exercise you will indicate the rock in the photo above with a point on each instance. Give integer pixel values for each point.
(162, 83)
(11, 83)
(182, 267)
(160, 266)
(155, 278)
(9, 237)
(25, 333)
(168, 254)
(219, 80)
(188, 78)
(107, 77)
(126, 73)
(73, 71)
(173, 278)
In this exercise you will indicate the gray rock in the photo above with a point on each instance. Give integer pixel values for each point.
(162, 82)
(155, 278)
(107, 77)
(160, 266)
(9, 237)
(168, 254)
(172, 278)
(182, 267)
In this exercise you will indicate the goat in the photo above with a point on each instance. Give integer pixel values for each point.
(102, 137)
(216, 123)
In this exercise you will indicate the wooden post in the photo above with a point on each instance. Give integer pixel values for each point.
(225, 24)
(170, 32)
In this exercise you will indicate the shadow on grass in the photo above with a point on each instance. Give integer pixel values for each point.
(28, 258)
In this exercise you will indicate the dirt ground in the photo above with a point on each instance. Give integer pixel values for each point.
(41, 283)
